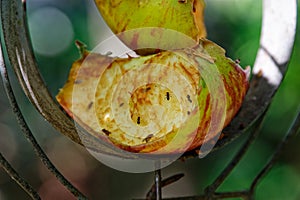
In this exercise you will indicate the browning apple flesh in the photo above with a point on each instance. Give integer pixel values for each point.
(153, 104)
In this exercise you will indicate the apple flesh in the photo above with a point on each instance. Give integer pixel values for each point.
(153, 104)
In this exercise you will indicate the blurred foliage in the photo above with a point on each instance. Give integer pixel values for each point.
(234, 25)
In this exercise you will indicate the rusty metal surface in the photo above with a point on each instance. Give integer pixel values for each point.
(276, 45)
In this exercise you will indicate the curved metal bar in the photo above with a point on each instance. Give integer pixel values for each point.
(276, 45)
(263, 85)
(293, 131)
(16, 177)
(21, 57)
(211, 189)
(29, 136)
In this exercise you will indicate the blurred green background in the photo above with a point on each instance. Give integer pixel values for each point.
(55, 25)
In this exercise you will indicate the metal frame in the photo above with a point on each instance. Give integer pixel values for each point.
(276, 44)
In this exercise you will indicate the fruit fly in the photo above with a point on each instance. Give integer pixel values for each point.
(138, 121)
(189, 98)
(168, 96)
(148, 138)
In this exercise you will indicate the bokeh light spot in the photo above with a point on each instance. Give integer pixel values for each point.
(51, 31)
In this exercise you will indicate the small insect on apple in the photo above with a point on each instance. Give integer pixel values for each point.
(157, 103)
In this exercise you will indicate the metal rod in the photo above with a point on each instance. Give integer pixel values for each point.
(211, 189)
(18, 179)
(158, 186)
(294, 129)
(28, 134)
(165, 182)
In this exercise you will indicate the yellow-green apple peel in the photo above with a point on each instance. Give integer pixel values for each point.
(185, 17)
(158, 103)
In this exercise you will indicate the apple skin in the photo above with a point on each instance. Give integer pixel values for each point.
(91, 92)
(148, 26)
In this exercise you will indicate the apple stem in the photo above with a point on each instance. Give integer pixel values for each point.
(81, 48)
